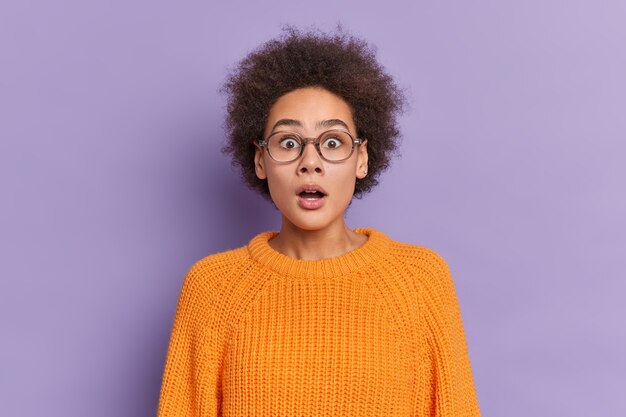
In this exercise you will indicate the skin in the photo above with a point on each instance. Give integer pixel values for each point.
(321, 233)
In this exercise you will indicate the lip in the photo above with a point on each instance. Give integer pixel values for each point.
(311, 204)
(311, 187)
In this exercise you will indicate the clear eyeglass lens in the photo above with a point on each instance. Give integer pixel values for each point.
(334, 146)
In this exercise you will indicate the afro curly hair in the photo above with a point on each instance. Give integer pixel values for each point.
(340, 63)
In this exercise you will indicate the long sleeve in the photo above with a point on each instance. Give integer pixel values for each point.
(190, 385)
(447, 388)
(374, 332)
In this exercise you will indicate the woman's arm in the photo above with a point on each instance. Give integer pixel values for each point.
(190, 385)
(447, 385)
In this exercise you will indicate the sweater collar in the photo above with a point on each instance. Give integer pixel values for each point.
(374, 249)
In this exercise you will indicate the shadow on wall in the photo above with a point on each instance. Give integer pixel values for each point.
(240, 212)
(215, 212)
(221, 212)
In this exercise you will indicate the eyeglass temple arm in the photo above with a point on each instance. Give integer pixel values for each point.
(263, 142)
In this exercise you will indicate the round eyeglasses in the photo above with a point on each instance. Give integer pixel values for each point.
(332, 145)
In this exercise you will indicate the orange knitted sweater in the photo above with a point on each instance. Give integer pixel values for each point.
(374, 332)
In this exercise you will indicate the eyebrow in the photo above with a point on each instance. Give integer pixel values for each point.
(323, 123)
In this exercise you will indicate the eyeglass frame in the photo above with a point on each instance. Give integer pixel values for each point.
(263, 143)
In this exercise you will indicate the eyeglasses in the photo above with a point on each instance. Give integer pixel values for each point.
(333, 145)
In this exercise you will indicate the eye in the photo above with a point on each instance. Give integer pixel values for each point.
(289, 142)
(332, 142)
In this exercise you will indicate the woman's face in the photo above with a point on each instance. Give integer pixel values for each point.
(310, 111)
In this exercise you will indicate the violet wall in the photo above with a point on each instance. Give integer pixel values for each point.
(112, 185)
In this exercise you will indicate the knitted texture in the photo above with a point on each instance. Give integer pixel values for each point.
(376, 331)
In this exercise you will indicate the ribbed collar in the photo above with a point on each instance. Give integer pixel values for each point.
(374, 249)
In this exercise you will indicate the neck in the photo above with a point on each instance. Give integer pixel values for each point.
(329, 242)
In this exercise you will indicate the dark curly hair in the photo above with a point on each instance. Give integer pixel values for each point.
(340, 63)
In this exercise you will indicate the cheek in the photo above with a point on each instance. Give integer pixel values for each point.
(279, 186)
(343, 181)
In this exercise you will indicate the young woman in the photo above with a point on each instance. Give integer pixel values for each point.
(317, 319)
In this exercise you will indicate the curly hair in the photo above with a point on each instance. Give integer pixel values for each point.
(340, 63)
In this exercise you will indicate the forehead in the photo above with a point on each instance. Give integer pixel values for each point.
(311, 109)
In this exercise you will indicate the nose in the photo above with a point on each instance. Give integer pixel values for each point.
(310, 161)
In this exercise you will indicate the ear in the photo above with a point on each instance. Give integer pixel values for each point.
(361, 162)
(259, 162)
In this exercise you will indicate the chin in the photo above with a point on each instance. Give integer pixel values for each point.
(309, 225)
(309, 220)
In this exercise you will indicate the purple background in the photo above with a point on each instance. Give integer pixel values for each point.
(112, 185)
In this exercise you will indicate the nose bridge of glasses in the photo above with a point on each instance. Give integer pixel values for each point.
(314, 142)
(311, 140)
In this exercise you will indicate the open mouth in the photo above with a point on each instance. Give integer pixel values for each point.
(312, 195)
(311, 199)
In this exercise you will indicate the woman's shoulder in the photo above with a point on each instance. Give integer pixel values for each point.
(222, 260)
(429, 268)
(418, 255)
(210, 272)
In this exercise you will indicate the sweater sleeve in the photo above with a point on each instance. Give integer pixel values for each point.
(447, 385)
(190, 385)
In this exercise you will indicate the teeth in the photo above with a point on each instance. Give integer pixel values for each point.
(312, 192)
